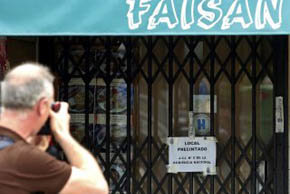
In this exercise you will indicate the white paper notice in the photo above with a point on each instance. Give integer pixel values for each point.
(80, 118)
(201, 103)
(279, 115)
(191, 130)
(119, 119)
(191, 155)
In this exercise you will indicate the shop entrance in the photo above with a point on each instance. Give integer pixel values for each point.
(128, 94)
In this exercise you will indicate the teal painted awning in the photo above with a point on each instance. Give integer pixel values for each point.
(144, 17)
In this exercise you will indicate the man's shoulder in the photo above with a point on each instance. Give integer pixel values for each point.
(35, 170)
(30, 157)
(27, 150)
(18, 150)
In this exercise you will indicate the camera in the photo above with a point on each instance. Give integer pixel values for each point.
(45, 130)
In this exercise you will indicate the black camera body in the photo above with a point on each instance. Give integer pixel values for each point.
(45, 130)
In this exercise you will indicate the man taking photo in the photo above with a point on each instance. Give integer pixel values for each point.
(26, 97)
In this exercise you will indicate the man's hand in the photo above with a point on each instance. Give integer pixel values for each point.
(40, 141)
(86, 176)
(59, 122)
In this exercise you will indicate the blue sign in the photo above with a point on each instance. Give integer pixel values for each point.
(201, 124)
(144, 17)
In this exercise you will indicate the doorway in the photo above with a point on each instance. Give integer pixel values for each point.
(137, 91)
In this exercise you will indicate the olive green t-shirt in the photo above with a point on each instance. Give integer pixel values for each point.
(25, 169)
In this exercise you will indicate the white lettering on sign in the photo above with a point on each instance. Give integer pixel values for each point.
(270, 11)
(187, 7)
(191, 155)
(134, 21)
(239, 12)
(209, 18)
(164, 12)
(209, 12)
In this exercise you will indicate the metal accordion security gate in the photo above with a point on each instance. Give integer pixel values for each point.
(128, 94)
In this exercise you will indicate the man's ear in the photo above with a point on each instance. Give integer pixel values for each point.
(42, 106)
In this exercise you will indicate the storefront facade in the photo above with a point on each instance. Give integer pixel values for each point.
(129, 93)
(152, 85)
